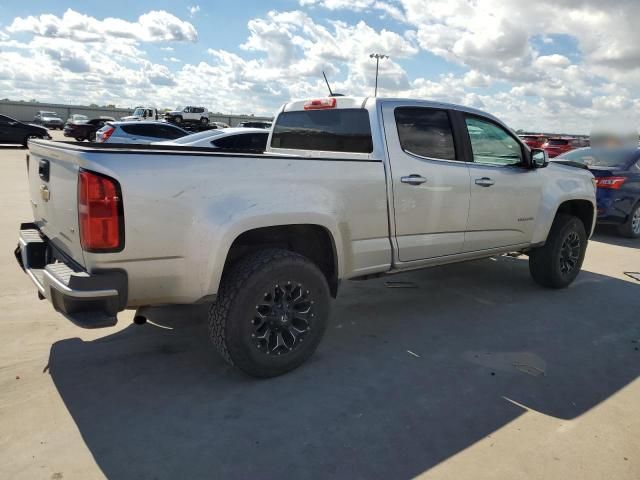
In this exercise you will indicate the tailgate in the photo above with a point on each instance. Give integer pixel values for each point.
(53, 185)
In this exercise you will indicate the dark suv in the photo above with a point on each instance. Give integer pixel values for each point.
(49, 119)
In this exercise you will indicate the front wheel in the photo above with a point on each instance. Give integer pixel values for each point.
(631, 228)
(177, 119)
(558, 262)
(204, 121)
(271, 312)
(79, 139)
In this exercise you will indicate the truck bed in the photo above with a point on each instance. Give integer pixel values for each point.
(183, 208)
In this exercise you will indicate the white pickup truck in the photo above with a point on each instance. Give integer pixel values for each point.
(348, 188)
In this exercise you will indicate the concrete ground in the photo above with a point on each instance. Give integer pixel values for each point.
(470, 371)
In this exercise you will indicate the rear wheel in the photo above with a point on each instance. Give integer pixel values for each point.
(631, 228)
(271, 312)
(79, 139)
(558, 262)
(204, 120)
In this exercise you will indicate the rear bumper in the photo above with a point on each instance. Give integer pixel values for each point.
(90, 300)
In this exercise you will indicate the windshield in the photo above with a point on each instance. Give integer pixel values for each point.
(198, 136)
(609, 158)
(557, 142)
(138, 112)
(49, 114)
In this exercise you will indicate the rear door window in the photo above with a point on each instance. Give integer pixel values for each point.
(425, 132)
(341, 130)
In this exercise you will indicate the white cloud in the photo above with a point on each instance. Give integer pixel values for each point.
(193, 10)
(154, 26)
(495, 45)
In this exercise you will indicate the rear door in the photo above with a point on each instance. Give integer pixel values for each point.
(505, 193)
(430, 181)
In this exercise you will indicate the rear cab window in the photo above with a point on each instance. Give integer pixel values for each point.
(346, 130)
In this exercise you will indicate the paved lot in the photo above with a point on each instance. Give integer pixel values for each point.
(474, 373)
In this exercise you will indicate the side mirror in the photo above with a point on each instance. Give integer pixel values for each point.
(539, 158)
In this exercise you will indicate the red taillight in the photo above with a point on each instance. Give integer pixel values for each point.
(613, 183)
(320, 103)
(104, 136)
(100, 213)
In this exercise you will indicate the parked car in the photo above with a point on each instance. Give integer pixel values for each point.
(49, 119)
(555, 146)
(188, 114)
(220, 124)
(348, 188)
(86, 130)
(77, 118)
(138, 132)
(255, 124)
(534, 141)
(14, 132)
(617, 173)
(249, 139)
(142, 114)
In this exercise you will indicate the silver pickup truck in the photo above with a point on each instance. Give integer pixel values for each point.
(348, 188)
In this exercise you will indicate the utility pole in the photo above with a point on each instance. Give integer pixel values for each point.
(377, 56)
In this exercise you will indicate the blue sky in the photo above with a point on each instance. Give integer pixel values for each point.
(569, 70)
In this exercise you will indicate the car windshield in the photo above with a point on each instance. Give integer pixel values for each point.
(592, 157)
(198, 136)
(138, 112)
(49, 114)
(557, 142)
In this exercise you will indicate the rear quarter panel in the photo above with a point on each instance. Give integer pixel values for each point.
(183, 212)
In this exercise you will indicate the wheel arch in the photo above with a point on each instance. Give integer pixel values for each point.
(314, 241)
(583, 209)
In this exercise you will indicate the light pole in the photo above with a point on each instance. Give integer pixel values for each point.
(377, 56)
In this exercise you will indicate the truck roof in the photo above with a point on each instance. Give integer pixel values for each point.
(342, 102)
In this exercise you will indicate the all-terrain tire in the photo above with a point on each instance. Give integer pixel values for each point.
(631, 228)
(558, 262)
(244, 288)
(204, 121)
(177, 119)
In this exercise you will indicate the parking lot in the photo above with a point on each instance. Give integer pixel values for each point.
(469, 370)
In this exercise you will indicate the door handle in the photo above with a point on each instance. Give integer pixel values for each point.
(484, 182)
(413, 179)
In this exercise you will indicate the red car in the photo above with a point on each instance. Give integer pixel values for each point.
(534, 141)
(555, 146)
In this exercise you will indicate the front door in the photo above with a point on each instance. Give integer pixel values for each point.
(505, 193)
(430, 181)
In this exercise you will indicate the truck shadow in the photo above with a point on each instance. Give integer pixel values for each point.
(405, 378)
